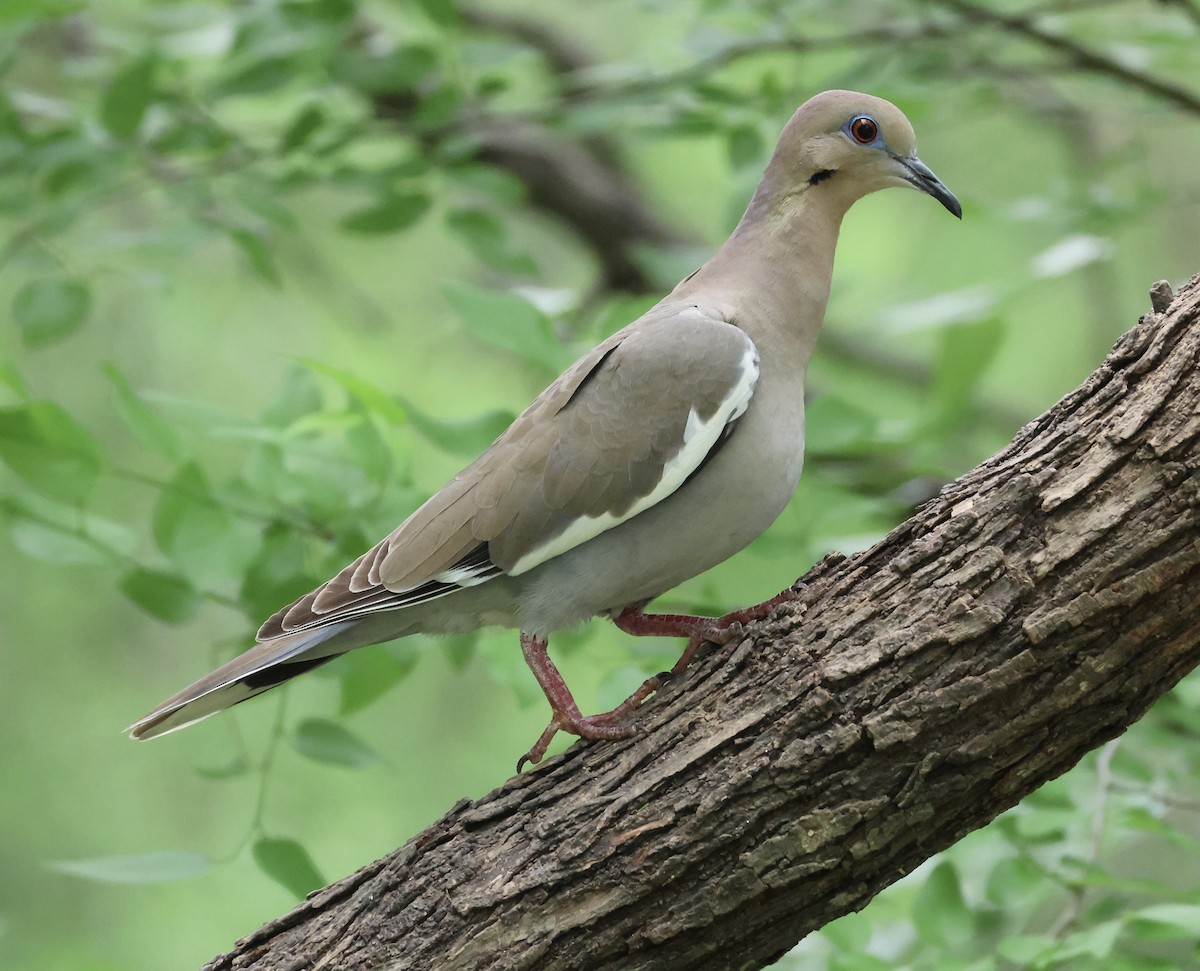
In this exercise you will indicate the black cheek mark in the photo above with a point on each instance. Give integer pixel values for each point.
(820, 176)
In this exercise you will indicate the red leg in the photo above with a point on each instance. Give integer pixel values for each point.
(566, 714)
(698, 631)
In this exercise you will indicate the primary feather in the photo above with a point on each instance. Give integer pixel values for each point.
(564, 472)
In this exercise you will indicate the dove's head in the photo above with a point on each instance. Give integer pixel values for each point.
(842, 145)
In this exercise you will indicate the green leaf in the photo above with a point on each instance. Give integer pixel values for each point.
(49, 449)
(71, 174)
(56, 533)
(332, 11)
(509, 322)
(444, 13)
(140, 868)
(1169, 921)
(1096, 941)
(316, 474)
(1141, 819)
(368, 450)
(837, 426)
(438, 107)
(49, 310)
(390, 214)
(188, 486)
(326, 741)
(402, 69)
(479, 179)
(366, 676)
(850, 961)
(307, 122)
(940, 913)
(254, 248)
(230, 770)
(204, 417)
(485, 236)
(616, 312)
(287, 863)
(147, 425)
(258, 75)
(205, 543)
(468, 437)
(296, 396)
(361, 390)
(126, 98)
(1043, 826)
(54, 544)
(1026, 948)
(280, 573)
(965, 353)
(693, 122)
(10, 377)
(261, 196)
(745, 147)
(12, 11)
(846, 934)
(1012, 879)
(460, 649)
(166, 596)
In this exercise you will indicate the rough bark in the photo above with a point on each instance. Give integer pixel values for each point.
(1028, 614)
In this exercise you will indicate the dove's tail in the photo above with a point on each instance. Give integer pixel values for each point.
(262, 667)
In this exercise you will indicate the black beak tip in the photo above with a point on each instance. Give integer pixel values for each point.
(921, 177)
(932, 187)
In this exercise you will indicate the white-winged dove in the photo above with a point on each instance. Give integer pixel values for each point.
(660, 453)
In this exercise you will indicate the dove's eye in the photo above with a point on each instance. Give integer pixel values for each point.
(864, 129)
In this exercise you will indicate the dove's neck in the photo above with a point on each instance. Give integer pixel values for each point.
(772, 276)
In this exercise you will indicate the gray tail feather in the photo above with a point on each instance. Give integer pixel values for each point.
(257, 670)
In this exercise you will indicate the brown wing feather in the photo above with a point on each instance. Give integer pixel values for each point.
(595, 442)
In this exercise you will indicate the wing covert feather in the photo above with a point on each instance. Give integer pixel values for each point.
(600, 444)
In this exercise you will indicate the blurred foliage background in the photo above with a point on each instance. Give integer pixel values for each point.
(273, 270)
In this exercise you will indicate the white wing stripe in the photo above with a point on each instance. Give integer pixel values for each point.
(699, 437)
(466, 576)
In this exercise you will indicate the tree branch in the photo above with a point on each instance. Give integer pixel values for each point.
(1190, 8)
(1030, 613)
(1077, 54)
(584, 182)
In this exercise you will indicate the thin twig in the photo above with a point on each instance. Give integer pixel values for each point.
(1104, 786)
(1062, 7)
(1079, 55)
(795, 44)
(1189, 7)
(1162, 798)
(561, 54)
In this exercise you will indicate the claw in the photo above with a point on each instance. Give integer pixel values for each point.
(534, 755)
(591, 727)
(608, 725)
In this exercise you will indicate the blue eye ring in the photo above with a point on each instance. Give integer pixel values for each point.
(863, 129)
